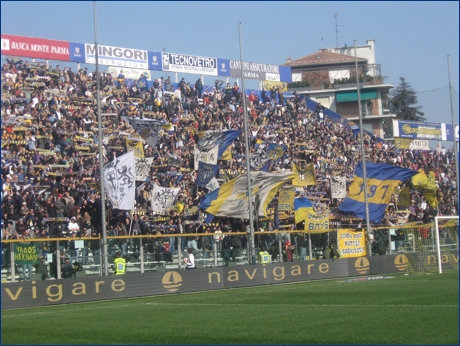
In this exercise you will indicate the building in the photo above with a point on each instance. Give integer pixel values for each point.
(329, 77)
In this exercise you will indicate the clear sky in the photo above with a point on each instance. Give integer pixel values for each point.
(412, 39)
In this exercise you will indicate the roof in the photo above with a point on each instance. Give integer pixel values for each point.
(322, 57)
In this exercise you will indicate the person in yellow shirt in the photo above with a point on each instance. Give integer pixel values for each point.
(120, 265)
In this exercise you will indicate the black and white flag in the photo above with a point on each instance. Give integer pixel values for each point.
(119, 181)
(338, 187)
(209, 156)
(143, 167)
(163, 198)
(148, 129)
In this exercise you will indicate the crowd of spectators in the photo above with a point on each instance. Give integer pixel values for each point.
(50, 162)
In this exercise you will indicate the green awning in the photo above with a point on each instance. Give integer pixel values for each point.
(352, 95)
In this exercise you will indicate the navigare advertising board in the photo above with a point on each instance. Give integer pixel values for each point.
(32, 47)
(184, 63)
(419, 130)
(117, 56)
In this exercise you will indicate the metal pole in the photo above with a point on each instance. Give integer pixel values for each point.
(438, 247)
(309, 246)
(248, 168)
(453, 127)
(141, 254)
(363, 157)
(101, 156)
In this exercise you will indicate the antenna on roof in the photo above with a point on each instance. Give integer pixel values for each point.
(336, 31)
(322, 39)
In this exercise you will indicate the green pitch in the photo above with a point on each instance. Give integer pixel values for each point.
(414, 309)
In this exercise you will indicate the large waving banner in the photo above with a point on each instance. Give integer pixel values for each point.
(232, 198)
(209, 139)
(426, 185)
(163, 198)
(119, 181)
(143, 166)
(351, 243)
(382, 179)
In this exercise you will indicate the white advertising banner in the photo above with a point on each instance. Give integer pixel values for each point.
(189, 64)
(117, 56)
(129, 73)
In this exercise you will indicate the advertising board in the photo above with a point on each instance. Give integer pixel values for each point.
(32, 47)
(116, 56)
(184, 63)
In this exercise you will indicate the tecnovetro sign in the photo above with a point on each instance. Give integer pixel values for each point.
(95, 288)
(32, 47)
(189, 64)
(117, 56)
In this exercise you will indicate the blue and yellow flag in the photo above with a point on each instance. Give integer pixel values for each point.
(302, 207)
(276, 151)
(381, 182)
(206, 172)
(135, 146)
(426, 185)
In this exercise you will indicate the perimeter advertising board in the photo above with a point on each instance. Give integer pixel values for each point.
(259, 71)
(419, 130)
(117, 56)
(184, 63)
(32, 47)
(96, 288)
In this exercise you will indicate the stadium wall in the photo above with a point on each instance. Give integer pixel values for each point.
(64, 291)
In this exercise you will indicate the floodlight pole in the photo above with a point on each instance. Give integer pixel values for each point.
(248, 167)
(363, 157)
(101, 155)
(453, 127)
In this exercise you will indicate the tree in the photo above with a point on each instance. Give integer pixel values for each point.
(402, 102)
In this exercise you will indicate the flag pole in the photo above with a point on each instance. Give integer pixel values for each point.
(453, 127)
(101, 157)
(363, 156)
(248, 168)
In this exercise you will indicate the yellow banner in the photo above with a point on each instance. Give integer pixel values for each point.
(268, 84)
(286, 200)
(227, 155)
(351, 243)
(402, 143)
(137, 147)
(305, 177)
(317, 223)
(404, 198)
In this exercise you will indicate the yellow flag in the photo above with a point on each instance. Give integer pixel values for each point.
(427, 186)
(227, 155)
(135, 146)
(305, 177)
(404, 198)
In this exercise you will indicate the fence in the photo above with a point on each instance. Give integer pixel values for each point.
(147, 253)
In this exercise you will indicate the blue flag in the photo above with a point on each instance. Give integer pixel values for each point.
(221, 138)
(276, 151)
(206, 172)
(382, 179)
(142, 83)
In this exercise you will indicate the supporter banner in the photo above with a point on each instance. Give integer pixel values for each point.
(286, 200)
(32, 47)
(351, 243)
(258, 159)
(267, 85)
(189, 64)
(317, 223)
(419, 130)
(338, 187)
(276, 151)
(404, 197)
(305, 177)
(206, 172)
(25, 253)
(143, 167)
(163, 198)
(415, 144)
(116, 56)
(129, 73)
(209, 156)
(119, 181)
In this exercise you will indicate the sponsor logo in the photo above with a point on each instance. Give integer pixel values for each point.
(362, 265)
(5, 44)
(272, 77)
(222, 66)
(401, 262)
(77, 50)
(154, 59)
(172, 281)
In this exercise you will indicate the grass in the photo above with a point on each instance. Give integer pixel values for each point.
(415, 309)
